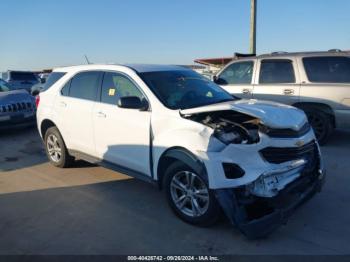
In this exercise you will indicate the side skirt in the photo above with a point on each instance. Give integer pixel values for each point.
(115, 167)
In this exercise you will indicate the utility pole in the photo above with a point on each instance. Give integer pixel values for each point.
(252, 38)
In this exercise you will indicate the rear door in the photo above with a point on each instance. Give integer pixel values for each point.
(277, 80)
(237, 78)
(326, 80)
(75, 105)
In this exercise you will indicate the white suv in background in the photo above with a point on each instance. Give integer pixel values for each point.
(168, 125)
(316, 82)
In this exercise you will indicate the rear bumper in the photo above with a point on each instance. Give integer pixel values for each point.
(256, 217)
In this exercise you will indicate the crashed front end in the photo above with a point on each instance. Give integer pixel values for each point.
(262, 173)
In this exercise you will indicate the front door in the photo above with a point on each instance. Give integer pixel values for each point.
(122, 135)
(237, 79)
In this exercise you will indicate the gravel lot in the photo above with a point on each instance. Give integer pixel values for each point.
(91, 210)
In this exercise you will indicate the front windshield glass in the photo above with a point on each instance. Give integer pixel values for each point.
(4, 87)
(184, 89)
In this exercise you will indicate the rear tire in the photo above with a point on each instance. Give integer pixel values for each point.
(321, 122)
(193, 202)
(56, 150)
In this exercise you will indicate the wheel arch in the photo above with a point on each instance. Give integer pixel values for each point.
(317, 106)
(45, 125)
(183, 155)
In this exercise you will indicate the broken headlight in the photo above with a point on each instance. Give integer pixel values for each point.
(236, 135)
(228, 137)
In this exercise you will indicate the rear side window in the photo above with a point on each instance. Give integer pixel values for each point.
(117, 85)
(65, 88)
(53, 78)
(85, 85)
(237, 73)
(331, 69)
(23, 76)
(276, 71)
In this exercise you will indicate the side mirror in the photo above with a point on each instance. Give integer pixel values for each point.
(219, 81)
(133, 102)
(42, 80)
(214, 78)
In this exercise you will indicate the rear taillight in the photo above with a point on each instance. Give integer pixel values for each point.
(37, 101)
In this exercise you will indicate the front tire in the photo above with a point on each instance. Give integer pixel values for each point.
(189, 196)
(56, 150)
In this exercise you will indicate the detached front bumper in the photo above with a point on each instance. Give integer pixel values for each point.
(258, 216)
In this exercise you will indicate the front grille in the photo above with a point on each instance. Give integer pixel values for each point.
(16, 107)
(277, 155)
(280, 133)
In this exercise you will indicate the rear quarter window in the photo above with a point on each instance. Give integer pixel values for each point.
(327, 69)
(52, 79)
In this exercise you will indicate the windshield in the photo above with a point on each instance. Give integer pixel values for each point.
(4, 87)
(184, 89)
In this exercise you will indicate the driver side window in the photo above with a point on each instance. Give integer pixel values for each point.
(116, 86)
(237, 73)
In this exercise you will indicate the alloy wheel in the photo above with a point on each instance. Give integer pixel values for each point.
(189, 193)
(53, 148)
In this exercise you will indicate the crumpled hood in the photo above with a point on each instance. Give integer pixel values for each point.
(15, 96)
(271, 114)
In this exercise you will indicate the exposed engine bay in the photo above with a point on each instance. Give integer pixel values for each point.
(230, 127)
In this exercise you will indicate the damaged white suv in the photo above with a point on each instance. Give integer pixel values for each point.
(256, 161)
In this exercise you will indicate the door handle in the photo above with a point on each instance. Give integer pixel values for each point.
(288, 91)
(63, 104)
(246, 91)
(101, 114)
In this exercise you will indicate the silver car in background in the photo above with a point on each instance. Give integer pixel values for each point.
(316, 82)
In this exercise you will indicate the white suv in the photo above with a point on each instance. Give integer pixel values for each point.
(168, 125)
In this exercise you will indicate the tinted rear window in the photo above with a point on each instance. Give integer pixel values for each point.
(23, 76)
(53, 78)
(331, 69)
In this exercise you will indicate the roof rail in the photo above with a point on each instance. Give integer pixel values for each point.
(238, 55)
(335, 50)
(279, 52)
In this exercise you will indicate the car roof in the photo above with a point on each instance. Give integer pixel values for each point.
(142, 68)
(286, 55)
(139, 68)
(305, 54)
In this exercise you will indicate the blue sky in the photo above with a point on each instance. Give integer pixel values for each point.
(38, 34)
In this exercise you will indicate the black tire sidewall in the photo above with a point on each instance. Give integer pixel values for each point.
(213, 212)
(326, 120)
